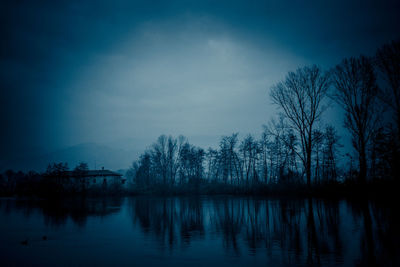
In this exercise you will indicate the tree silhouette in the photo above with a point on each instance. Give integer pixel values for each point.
(356, 92)
(301, 96)
(388, 61)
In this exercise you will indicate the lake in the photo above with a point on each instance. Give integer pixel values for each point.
(198, 231)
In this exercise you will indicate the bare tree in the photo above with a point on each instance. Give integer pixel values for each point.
(300, 96)
(283, 145)
(159, 157)
(212, 160)
(356, 92)
(330, 152)
(144, 176)
(264, 146)
(131, 173)
(388, 61)
(318, 138)
(229, 159)
(250, 150)
(165, 160)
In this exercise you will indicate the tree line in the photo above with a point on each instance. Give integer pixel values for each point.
(296, 147)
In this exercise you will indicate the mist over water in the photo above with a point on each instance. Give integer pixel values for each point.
(198, 231)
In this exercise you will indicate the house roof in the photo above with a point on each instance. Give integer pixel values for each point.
(92, 173)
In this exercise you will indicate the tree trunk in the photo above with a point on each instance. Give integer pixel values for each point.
(363, 166)
(308, 161)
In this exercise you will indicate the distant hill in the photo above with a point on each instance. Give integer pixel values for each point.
(95, 155)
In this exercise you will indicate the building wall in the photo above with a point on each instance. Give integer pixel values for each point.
(103, 180)
(76, 184)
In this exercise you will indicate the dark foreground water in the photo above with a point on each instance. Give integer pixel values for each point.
(203, 231)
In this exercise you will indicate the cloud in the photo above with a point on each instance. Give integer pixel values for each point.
(171, 79)
(74, 72)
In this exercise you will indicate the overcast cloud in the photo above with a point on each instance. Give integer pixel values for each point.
(124, 72)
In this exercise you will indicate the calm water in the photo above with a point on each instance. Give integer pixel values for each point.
(200, 231)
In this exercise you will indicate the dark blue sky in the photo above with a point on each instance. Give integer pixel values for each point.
(123, 72)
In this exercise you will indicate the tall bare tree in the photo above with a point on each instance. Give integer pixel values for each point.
(301, 96)
(356, 92)
(388, 61)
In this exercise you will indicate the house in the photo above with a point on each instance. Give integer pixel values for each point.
(90, 179)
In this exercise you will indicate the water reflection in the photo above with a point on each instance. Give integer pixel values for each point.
(170, 220)
(297, 231)
(57, 212)
(284, 231)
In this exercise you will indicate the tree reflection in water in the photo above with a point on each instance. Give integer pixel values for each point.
(56, 212)
(277, 231)
(294, 231)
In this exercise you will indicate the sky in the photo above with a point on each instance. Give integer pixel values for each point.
(120, 73)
